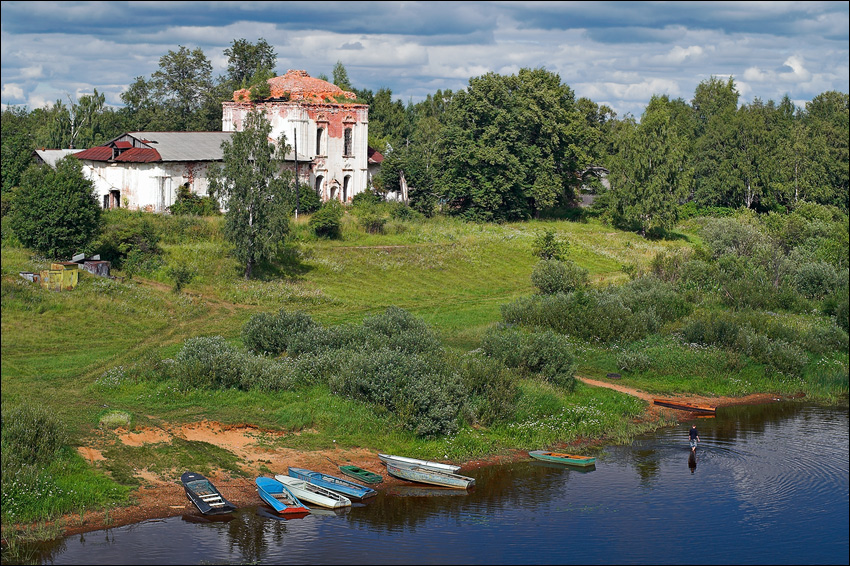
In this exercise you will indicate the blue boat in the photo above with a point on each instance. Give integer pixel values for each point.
(279, 497)
(340, 485)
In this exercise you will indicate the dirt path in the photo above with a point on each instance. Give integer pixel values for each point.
(259, 452)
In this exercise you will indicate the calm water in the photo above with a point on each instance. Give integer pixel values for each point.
(769, 486)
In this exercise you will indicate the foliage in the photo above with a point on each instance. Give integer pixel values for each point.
(191, 204)
(308, 199)
(55, 211)
(327, 221)
(257, 199)
(270, 334)
(545, 353)
(553, 276)
(31, 436)
(129, 240)
(548, 245)
(182, 275)
(511, 146)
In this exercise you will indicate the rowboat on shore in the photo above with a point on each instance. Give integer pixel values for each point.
(279, 497)
(684, 406)
(359, 473)
(347, 488)
(419, 474)
(313, 494)
(205, 495)
(562, 458)
(400, 461)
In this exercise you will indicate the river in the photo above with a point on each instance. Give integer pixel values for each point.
(769, 486)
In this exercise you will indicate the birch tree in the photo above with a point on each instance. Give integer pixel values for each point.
(255, 191)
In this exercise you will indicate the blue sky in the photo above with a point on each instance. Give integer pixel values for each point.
(615, 53)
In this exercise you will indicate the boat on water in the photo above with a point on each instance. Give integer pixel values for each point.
(404, 461)
(314, 494)
(347, 488)
(683, 406)
(359, 473)
(205, 495)
(279, 497)
(562, 458)
(419, 474)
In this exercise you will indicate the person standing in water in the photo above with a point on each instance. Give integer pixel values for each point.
(694, 436)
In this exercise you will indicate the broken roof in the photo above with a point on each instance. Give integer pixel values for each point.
(298, 85)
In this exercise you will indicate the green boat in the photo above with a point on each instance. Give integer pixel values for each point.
(363, 475)
(561, 458)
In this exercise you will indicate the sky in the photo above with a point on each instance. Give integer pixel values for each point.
(615, 53)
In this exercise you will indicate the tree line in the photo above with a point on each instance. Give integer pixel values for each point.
(508, 147)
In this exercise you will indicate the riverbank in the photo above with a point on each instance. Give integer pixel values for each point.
(158, 498)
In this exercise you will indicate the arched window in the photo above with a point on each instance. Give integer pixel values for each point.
(346, 186)
(319, 140)
(319, 182)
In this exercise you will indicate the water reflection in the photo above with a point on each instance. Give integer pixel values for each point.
(759, 491)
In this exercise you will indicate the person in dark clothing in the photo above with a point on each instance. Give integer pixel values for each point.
(694, 436)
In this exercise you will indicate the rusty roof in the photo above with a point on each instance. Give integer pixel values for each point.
(139, 155)
(298, 85)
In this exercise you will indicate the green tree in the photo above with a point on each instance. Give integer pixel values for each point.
(55, 211)
(715, 104)
(258, 197)
(245, 60)
(341, 77)
(650, 174)
(16, 145)
(828, 119)
(512, 146)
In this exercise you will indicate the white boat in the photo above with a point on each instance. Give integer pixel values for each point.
(314, 494)
(402, 461)
(433, 477)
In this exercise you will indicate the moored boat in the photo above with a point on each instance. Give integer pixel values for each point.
(419, 474)
(359, 473)
(279, 497)
(404, 461)
(205, 495)
(683, 406)
(314, 494)
(562, 458)
(347, 488)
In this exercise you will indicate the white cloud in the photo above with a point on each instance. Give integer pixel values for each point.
(13, 91)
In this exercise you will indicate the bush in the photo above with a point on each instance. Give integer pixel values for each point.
(366, 198)
(182, 275)
(30, 437)
(372, 222)
(815, 280)
(130, 241)
(547, 245)
(190, 204)
(492, 387)
(327, 221)
(209, 363)
(552, 276)
(308, 200)
(546, 354)
(54, 211)
(274, 334)
(633, 361)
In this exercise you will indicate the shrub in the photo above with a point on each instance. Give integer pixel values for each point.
(366, 198)
(492, 387)
(633, 360)
(372, 222)
(651, 294)
(397, 329)
(308, 200)
(273, 334)
(209, 363)
(190, 204)
(546, 354)
(327, 221)
(182, 275)
(815, 279)
(30, 437)
(129, 240)
(552, 276)
(547, 245)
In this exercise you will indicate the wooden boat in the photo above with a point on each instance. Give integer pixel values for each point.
(360, 474)
(279, 497)
(682, 406)
(403, 461)
(561, 458)
(205, 495)
(419, 474)
(314, 494)
(340, 485)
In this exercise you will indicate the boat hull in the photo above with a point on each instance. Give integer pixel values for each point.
(692, 407)
(561, 458)
(279, 497)
(419, 474)
(314, 494)
(362, 475)
(347, 488)
(401, 461)
(206, 497)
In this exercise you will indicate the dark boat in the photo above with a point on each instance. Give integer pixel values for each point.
(360, 474)
(205, 495)
(682, 406)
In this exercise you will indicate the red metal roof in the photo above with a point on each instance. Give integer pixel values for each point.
(99, 153)
(123, 145)
(139, 155)
(298, 85)
(375, 156)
